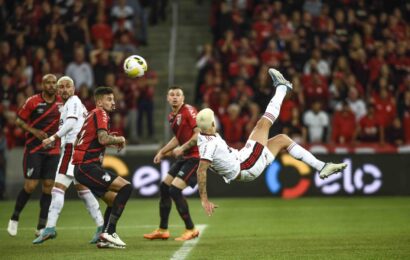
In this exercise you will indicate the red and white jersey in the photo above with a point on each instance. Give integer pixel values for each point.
(224, 160)
(73, 108)
(228, 162)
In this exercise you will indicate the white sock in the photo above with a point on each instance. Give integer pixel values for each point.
(300, 153)
(92, 206)
(273, 108)
(56, 205)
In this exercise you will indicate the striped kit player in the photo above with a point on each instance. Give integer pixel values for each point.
(72, 118)
(259, 151)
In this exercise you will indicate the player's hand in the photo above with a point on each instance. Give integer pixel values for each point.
(158, 157)
(209, 207)
(122, 144)
(47, 143)
(39, 134)
(177, 152)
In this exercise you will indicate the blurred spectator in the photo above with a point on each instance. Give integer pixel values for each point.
(102, 31)
(145, 104)
(233, 126)
(369, 128)
(344, 125)
(317, 122)
(385, 107)
(294, 128)
(395, 133)
(125, 45)
(86, 97)
(80, 70)
(317, 63)
(357, 105)
(122, 14)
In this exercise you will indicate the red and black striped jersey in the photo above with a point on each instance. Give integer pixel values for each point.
(88, 149)
(39, 114)
(183, 124)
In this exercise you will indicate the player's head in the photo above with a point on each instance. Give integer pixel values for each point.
(175, 96)
(205, 120)
(48, 84)
(104, 98)
(65, 87)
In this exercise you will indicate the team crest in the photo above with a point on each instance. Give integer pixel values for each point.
(106, 177)
(179, 118)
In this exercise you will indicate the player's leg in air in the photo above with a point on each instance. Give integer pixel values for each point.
(181, 174)
(261, 131)
(62, 182)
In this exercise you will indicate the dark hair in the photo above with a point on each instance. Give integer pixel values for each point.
(101, 91)
(175, 87)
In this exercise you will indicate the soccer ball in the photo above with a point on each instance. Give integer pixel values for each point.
(135, 66)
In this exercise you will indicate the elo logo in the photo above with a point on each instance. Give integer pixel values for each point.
(365, 179)
(273, 182)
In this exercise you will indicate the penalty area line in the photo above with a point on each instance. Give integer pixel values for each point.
(187, 246)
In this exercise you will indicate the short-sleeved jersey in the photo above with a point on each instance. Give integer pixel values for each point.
(88, 149)
(224, 160)
(183, 124)
(39, 114)
(73, 108)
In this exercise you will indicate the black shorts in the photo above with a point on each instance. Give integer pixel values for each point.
(186, 170)
(40, 165)
(94, 177)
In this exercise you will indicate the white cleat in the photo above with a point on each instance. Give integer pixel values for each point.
(331, 168)
(106, 244)
(12, 227)
(278, 79)
(113, 238)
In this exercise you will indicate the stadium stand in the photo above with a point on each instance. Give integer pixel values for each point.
(351, 57)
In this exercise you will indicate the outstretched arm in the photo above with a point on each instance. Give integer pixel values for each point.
(65, 128)
(208, 206)
(186, 146)
(167, 148)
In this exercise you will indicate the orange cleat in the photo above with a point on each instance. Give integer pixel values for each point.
(158, 234)
(188, 235)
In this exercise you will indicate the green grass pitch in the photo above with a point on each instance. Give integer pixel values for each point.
(243, 228)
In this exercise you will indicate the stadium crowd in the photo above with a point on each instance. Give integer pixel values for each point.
(86, 40)
(348, 61)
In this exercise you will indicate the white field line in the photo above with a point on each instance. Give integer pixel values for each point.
(187, 246)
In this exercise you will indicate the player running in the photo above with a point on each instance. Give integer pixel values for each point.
(259, 151)
(39, 117)
(72, 118)
(88, 156)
